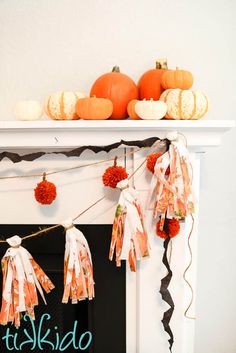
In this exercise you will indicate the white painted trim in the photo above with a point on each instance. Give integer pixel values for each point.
(131, 311)
(71, 134)
(116, 124)
(144, 308)
(189, 324)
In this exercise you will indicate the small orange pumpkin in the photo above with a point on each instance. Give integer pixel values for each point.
(177, 79)
(94, 108)
(131, 111)
(149, 84)
(117, 87)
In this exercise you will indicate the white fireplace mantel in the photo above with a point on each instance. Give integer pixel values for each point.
(144, 308)
(71, 134)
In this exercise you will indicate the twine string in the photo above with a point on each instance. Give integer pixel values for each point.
(185, 139)
(185, 272)
(70, 168)
(170, 252)
(47, 229)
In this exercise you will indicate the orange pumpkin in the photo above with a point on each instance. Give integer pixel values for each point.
(94, 108)
(117, 87)
(131, 111)
(149, 84)
(177, 79)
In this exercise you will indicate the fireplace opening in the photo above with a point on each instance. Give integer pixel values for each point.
(104, 316)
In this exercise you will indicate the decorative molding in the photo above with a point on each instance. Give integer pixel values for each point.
(71, 134)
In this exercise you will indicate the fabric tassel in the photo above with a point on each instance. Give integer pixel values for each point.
(129, 239)
(172, 195)
(78, 267)
(22, 277)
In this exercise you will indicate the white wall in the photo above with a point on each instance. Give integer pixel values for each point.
(52, 45)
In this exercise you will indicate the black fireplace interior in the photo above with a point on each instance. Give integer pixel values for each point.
(104, 316)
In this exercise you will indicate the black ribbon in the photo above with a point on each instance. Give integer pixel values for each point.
(166, 296)
(16, 158)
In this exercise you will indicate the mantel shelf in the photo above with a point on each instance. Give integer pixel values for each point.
(71, 134)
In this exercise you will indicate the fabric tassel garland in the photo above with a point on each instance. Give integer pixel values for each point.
(78, 267)
(22, 277)
(171, 194)
(129, 239)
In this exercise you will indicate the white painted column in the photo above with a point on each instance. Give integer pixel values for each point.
(143, 287)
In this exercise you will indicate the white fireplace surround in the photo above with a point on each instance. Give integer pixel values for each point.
(44, 134)
(78, 189)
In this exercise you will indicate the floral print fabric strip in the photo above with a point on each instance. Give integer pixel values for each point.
(22, 277)
(172, 194)
(78, 267)
(129, 238)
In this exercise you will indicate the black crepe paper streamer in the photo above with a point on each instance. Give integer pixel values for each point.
(16, 158)
(166, 296)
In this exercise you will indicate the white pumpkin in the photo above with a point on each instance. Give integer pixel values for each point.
(185, 104)
(28, 110)
(62, 105)
(150, 109)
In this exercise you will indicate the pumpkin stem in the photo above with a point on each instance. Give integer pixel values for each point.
(116, 69)
(161, 64)
(115, 161)
(44, 176)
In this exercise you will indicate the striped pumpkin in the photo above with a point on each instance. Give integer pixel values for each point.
(62, 105)
(185, 104)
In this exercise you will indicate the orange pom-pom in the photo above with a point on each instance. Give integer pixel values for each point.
(160, 233)
(45, 192)
(151, 162)
(113, 175)
(172, 227)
